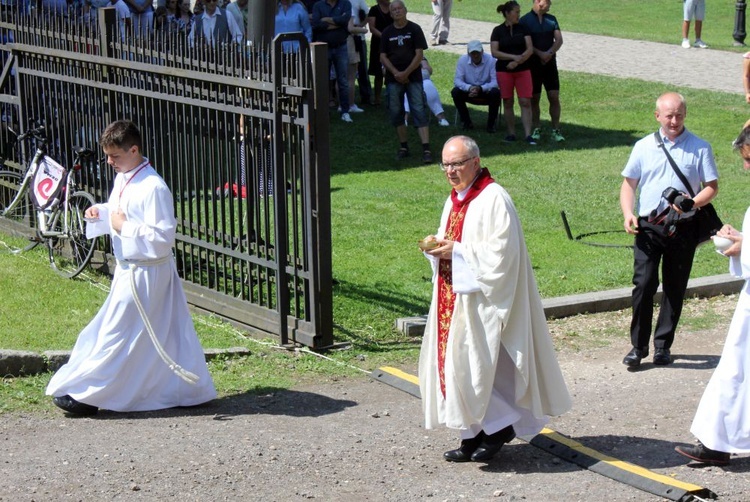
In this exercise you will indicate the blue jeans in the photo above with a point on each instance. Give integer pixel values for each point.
(339, 58)
(414, 92)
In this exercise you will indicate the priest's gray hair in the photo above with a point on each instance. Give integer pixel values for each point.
(468, 143)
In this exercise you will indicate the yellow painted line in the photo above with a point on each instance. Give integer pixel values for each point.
(626, 466)
(400, 374)
(576, 446)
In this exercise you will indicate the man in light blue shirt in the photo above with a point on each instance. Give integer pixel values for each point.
(476, 82)
(648, 173)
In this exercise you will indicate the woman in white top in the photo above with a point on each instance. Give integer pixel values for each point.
(431, 92)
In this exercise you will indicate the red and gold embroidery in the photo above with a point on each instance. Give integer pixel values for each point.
(446, 297)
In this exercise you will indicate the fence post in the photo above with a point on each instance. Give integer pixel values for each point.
(321, 172)
(108, 33)
(739, 24)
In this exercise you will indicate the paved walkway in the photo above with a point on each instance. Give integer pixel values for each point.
(617, 57)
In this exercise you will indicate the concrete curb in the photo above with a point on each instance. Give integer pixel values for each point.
(15, 363)
(601, 301)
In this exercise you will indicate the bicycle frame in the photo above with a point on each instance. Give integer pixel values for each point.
(30, 172)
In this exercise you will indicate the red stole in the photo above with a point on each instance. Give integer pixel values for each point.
(446, 300)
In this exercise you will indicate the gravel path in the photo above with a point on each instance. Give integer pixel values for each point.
(617, 57)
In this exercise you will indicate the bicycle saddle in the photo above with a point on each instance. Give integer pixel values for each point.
(85, 153)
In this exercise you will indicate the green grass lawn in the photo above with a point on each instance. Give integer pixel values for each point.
(381, 206)
(656, 20)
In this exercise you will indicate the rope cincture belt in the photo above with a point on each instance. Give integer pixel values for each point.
(181, 372)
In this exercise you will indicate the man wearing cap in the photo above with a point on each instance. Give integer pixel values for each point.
(475, 82)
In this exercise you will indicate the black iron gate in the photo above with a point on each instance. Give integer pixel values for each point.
(232, 128)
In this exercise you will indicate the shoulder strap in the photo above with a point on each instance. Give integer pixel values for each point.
(673, 164)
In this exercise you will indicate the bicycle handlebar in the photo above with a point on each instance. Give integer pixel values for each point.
(38, 133)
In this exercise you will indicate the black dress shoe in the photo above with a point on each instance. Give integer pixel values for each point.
(662, 357)
(634, 357)
(467, 126)
(74, 407)
(463, 452)
(704, 455)
(492, 444)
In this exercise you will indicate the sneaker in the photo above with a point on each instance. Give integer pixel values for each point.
(355, 109)
(402, 153)
(434, 42)
(443, 122)
(557, 136)
(427, 157)
(537, 134)
(704, 455)
(530, 140)
(700, 44)
(510, 138)
(685, 43)
(346, 117)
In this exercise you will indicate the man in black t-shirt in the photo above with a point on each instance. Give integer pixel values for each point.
(402, 45)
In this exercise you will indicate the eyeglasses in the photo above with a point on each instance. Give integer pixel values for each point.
(454, 166)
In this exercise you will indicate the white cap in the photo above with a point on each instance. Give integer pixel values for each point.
(474, 46)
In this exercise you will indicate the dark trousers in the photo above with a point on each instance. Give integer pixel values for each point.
(363, 79)
(676, 257)
(491, 99)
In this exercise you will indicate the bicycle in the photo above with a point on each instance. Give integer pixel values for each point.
(48, 198)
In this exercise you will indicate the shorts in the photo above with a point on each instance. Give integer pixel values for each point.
(545, 75)
(694, 9)
(394, 98)
(520, 80)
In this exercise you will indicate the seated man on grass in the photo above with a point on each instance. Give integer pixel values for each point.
(475, 82)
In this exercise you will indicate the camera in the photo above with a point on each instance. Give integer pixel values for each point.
(676, 198)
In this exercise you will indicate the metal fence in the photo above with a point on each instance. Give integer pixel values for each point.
(232, 128)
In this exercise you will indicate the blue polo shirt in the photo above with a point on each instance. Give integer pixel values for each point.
(649, 165)
(542, 33)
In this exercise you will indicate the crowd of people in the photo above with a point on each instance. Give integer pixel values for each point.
(521, 59)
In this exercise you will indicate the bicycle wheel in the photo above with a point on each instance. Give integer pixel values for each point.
(71, 251)
(21, 218)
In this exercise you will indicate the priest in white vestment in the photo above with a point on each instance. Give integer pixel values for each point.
(487, 367)
(141, 351)
(722, 423)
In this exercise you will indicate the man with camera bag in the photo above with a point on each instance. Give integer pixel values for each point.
(663, 224)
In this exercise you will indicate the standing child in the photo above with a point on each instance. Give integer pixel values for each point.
(140, 352)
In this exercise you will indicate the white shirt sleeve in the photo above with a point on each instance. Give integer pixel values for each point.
(463, 278)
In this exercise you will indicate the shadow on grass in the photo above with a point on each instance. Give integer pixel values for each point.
(370, 144)
(261, 401)
(393, 300)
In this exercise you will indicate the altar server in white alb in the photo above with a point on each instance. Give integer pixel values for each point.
(140, 352)
(722, 423)
(487, 367)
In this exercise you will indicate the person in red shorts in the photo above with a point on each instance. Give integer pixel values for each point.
(511, 45)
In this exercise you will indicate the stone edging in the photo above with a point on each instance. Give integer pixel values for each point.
(601, 301)
(15, 363)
